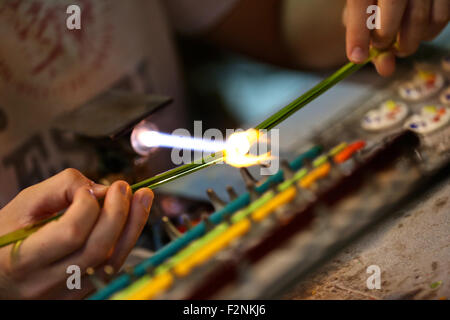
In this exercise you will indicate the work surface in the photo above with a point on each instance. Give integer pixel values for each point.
(412, 249)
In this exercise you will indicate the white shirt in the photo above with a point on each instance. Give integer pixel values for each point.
(47, 69)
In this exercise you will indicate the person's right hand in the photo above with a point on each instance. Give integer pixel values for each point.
(86, 235)
(406, 23)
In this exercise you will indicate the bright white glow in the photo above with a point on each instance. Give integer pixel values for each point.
(239, 142)
(236, 149)
(153, 139)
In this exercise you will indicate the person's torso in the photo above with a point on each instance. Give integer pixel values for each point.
(47, 69)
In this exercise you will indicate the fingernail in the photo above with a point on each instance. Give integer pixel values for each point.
(146, 201)
(358, 55)
(99, 188)
(123, 188)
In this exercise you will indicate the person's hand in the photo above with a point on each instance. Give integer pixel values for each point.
(86, 235)
(404, 22)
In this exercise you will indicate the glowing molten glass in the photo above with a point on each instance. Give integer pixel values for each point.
(238, 146)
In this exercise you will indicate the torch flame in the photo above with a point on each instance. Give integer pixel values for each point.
(236, 150)
(238, 147)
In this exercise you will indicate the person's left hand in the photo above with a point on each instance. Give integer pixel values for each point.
(86, 235)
